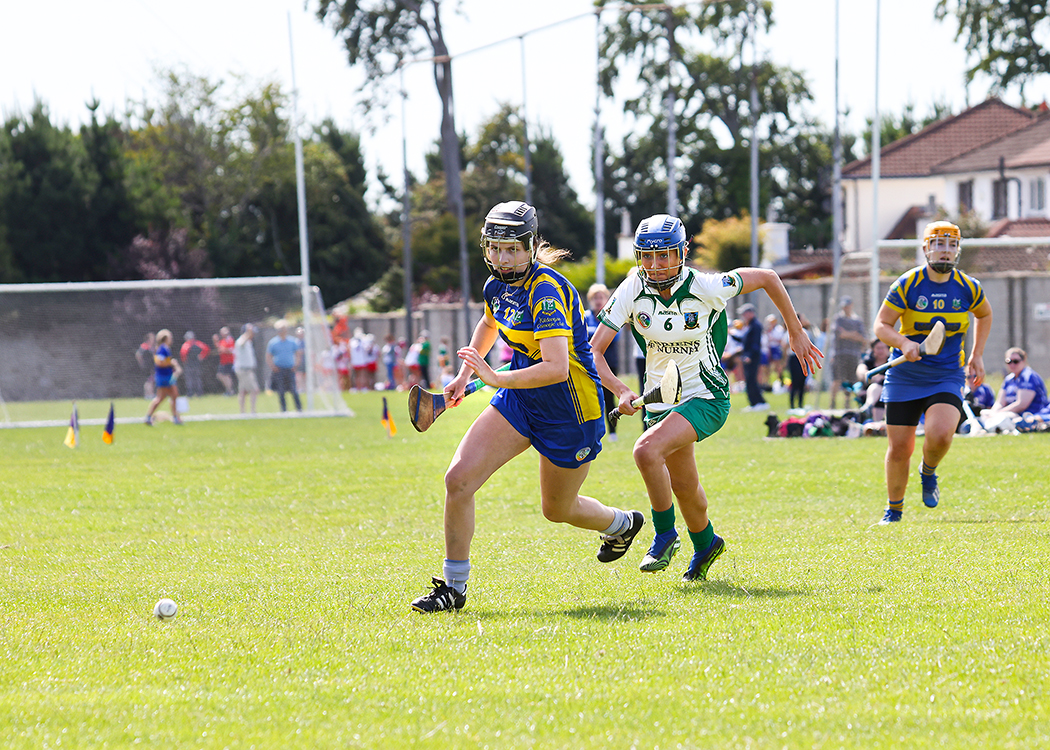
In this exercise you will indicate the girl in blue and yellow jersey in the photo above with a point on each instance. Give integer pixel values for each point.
(930, 385)
(550, 398)
(167, 371)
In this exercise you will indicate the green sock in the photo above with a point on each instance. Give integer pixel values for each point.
(663, 520)
(702, 539)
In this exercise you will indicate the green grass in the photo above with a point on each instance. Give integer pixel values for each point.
(294, 547)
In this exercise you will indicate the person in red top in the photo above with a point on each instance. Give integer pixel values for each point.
(193, 353)
(224, 346)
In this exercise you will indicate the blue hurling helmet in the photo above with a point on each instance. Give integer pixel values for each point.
(660, 232)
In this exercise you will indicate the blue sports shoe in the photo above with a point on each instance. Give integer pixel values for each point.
(931, 493)
(660, 554)
(701, 561)
(892, 516)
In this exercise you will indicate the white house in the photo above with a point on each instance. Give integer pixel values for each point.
(992, 159)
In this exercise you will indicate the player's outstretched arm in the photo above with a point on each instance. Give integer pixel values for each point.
(484, 336)
(809, 356)
(599, 343)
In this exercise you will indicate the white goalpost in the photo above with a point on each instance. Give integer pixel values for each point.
(65, 342)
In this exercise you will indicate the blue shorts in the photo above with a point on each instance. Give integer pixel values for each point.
(165, 381)
(564, 443)
(776, 353)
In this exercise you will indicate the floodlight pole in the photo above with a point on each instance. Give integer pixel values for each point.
(304, 240)
(754, 135)
(876, 137)
(672, 123)
(525, 128)
(406, 219)
(599, 160)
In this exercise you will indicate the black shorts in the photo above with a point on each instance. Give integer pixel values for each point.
(907, 413)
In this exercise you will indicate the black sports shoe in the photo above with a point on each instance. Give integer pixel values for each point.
(701, 561)
(615, 547)
(441, 599)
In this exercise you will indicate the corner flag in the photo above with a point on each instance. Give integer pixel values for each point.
(388, 421)
(107, 435)
(73, 433)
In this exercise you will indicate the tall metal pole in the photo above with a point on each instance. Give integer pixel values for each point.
(406, 220)
(672, 123)
(599, 162)
(876, 137)
(754, 137)
(525, 128)
(304, 240)
(836, 179)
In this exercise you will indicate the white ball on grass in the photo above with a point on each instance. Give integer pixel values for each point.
(165, 609)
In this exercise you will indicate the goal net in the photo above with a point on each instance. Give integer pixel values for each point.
(81, 342)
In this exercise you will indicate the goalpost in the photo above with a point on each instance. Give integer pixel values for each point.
(66, 342)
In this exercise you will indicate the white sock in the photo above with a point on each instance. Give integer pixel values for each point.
(620, 523)
(456, 573)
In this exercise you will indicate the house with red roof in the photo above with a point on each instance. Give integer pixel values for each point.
(992, 159)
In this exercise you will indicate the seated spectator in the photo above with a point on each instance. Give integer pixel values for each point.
(1023, 390)
(878, 354)
(980, 398)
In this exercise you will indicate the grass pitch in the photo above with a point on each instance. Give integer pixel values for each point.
(293, 548)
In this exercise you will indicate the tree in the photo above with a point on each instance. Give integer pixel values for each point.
(713, 118)
(52, 186)
(1003, 38)
(224, 170)
(381, 34)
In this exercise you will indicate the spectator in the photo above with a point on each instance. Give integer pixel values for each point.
(412, 365)
(877, 354)
(730, 359)
(848, 340)
(424, 358)
(401, 371)
(1023, 389)
(797, 393)
(751, 356)
(193, 353)
(341, 356)
(282, 356)
(389, 357)
(773, 345)
(244, 364)
(224, 342)
(359, 361)
(446, 372)
(597, 297)
(300, 368)
(371, 361)
(144, 355)
(166, 371)
(980, 398)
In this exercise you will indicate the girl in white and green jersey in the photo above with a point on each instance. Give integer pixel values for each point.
(678, 313)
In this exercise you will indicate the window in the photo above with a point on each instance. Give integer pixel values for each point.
(1038, 201)
(999, 194)
(966, 196)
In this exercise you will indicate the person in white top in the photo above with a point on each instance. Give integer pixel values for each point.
(244, 364)
(681, 315)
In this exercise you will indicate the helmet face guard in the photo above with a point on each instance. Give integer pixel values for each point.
(658, 234)
(508, 223)
(938, 237)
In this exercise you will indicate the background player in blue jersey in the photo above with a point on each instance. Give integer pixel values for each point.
(931, 385)
(550, 398)
(166, 371)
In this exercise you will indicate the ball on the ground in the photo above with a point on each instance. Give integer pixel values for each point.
(165, 609)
